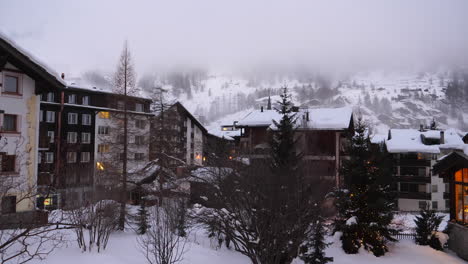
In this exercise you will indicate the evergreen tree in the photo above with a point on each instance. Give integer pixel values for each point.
(365, 208)
(427, 224)
(315, 247)
(142, 219)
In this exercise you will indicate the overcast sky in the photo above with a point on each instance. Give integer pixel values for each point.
(74, 36)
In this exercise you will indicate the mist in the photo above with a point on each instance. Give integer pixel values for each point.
(330, 36)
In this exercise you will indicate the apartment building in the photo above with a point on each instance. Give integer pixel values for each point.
(414, 153)
(22, 79)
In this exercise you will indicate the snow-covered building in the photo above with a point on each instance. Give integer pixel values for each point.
(322, 134)
(22, 79)
(185, 135)
(414, 153)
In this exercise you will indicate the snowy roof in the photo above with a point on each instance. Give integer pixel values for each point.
(229, 134)
(28, 56)
(410, 140)
(319, 118)
(378, 138)
(208, 174)
(77, 83)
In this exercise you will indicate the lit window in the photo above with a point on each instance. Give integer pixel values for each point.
(103, 148)
(72, 118)
(225, 129)
(104, 115)
(100, 166)
(86, 119)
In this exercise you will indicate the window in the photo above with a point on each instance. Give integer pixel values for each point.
(103, 130)
(51, 136)
(120, 105)
(7, 163)
(435, 205)
(85, 138)
(50, 117)
(103, 148)
(49, 157)
(120, 139)
(434, 188)
(72, 118)
(422, 205)
(85, 100)
(41, 116)
(71, 137)
(139, 140)
(50, 97)
(10, 123)
(85, 156)
(100, 166)
(139, 156)
(461, 195)
(8, 204)
(11, 84)
(71, 157)
(86, 119)
(422, 172)
(39, 158)
(140, 124)
(121, 156)
(104, 115)
(139, 107)
(72, 98)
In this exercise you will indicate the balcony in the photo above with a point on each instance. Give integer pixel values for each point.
(414, 195)
(413, 178)
(413, 162)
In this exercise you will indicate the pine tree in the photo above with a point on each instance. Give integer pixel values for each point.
(315, 247)
(142, 219)
(366, 207)
(427, 223)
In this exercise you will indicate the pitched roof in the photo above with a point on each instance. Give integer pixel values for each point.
(32, 66)
(318, 118)
(193, 118)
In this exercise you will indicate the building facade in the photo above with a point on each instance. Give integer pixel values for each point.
(22, 79)
(414, 153)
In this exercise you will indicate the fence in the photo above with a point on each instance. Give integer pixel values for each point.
(408, 236)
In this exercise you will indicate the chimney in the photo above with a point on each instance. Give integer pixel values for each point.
(421, 127)
(63, 76)
(307, 115)
(442, 137)
(261, 108)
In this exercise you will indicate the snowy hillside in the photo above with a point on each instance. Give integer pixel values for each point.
(401, 100)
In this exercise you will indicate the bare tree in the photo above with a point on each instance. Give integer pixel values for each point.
(161, 244)
(124, 84)
(27, 235)
(94, 224)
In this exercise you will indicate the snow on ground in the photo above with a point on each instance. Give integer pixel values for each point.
(123, 249)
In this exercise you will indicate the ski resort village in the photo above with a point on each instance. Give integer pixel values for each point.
(234, 132)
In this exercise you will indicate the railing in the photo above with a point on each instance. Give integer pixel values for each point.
(413, 162)
(414, 195)
(405, 236)
(411, 178)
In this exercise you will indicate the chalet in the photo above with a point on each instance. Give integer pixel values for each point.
(78, 136)
(414, 152)
(322, 134)
(453, 168)
(184, 135)
(22, 79)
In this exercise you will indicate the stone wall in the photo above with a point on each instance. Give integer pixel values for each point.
(458, 240)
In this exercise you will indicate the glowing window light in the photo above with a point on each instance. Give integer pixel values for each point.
(100, 166)
(104, 115)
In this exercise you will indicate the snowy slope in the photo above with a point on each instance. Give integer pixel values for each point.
(397, 100)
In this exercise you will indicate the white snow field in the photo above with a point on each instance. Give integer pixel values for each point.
(123, 249)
